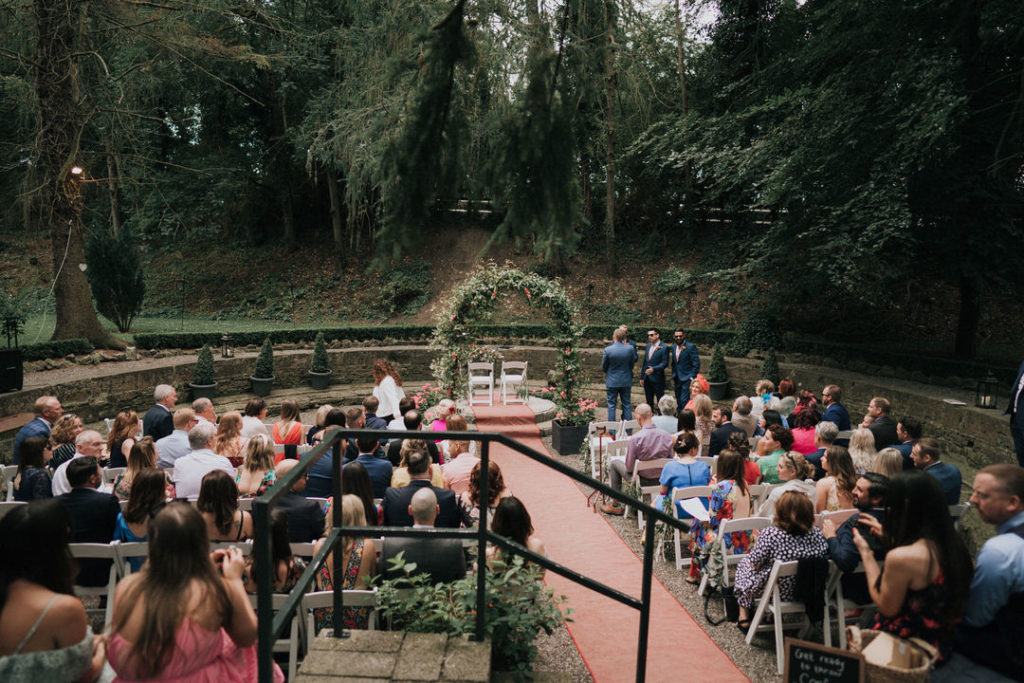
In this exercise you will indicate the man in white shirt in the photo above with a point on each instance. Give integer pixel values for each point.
(404, 405)
(89, 442)
(175, 444)
(190, 469)
(203, 408)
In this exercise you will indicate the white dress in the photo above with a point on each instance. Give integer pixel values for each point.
(251, 426)
(388, 394)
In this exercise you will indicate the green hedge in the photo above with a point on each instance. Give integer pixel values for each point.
(55, 349)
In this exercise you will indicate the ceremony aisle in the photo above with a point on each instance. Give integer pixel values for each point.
(605, 631)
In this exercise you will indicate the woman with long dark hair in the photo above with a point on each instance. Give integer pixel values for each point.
(512, 520)
(287, 568)
(122, 437)
(142, 457)
(148, 495)
(470, 500)
(356, 481)
(218, 504)
(44, 632)
(835, 491)
(185, 615)
(923, 590)
(32, 481)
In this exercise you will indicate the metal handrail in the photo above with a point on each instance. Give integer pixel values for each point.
(270, 627)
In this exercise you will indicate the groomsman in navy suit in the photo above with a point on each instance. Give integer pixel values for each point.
(652, 373)
(617, 363)
(1015, 410)
(685, 366)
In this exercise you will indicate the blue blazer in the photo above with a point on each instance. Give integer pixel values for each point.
(904, 449)
(837, 413)
(949, 477)
(1010, 407)
(36, 427)
(688, 364)
(617, 364)
(658, 361)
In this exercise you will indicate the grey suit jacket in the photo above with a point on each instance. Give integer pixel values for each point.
(747, 423)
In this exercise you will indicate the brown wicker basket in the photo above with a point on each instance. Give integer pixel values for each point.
(858, 639)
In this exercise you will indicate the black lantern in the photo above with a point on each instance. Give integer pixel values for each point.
(227, 350)
(985, 397)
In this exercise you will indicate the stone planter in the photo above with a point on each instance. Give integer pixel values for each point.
(718, 391)
(12, 370)
(261, 386)
(203, 390)
(319, 380)
(566, 439)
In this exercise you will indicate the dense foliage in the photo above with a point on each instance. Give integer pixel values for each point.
(116, 280)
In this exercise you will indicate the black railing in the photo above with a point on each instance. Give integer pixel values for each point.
(270, 626)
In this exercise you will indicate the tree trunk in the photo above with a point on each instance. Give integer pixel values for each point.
(609, 197)
(337, 224)
(966, 345)
(113, 182)
(60, 125)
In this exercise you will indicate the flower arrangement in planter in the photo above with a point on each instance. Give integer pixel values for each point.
(263, 374)
(569, 428)
(204, 381)
(718, 376)
(320, 366)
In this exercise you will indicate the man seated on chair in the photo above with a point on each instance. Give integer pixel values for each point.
(908, 431)
(869, 499)
(993, 630)
(396, 501)
(404, 406)
(175, 445)
(412, 421)
(648, 443)
(379, 469)
(87, 443)
(189, 470)
(305, 517)
(881, 424)
(93, 516)
(203, 408)
(442, 559)
(926, 455)
(825, 434)
(742, 416)
(722, 419)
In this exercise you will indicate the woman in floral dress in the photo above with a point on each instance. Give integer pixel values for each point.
(730, 499)
(360, 561)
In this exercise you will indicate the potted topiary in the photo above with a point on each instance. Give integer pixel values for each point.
(263, 374)
(770, 368)
(204, 382)
(320, 366)
(718, 377)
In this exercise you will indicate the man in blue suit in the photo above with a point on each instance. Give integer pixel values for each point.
(617, 363)
(652, 372)
(926, 456)
(1015, 409)
(48, 411)
(908, 431)
(835, 412)
(685, 366)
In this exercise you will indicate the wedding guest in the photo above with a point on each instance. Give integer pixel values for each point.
(32, 481)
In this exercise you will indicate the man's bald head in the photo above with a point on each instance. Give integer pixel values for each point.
(284, 467)
(423, 507)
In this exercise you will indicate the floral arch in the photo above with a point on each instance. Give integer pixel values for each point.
(476, 296)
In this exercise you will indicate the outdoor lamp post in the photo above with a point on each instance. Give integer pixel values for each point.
(227, 350)
(985, 396)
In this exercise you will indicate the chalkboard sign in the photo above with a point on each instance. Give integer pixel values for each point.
(813, 663)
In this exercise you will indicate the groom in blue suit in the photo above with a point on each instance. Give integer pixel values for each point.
(685, 366)
(652, 372)
(617, 363)
(1015, 409)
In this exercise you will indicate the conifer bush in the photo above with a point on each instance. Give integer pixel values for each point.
(265, 361)
(770, 368)
(203, 373)
(320, 363)
(716, 369)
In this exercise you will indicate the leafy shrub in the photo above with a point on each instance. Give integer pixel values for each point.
(320, 362)
(716, 369)
(12, 319)
(673, 279)
(405, 288)
(265, 361)
(770, 368)
(519, 607)
(115, 277)
(757, 331)
(56, 349)
(203, 373)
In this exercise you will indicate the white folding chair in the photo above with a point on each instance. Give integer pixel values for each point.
(601, 458)
(98, 551)
(513, 377)
(633, 425)
(710, 460)
(957, 512)
(245, 504)
(126, 552)
(303, 550)
(324, 599)
(8, 505)
(244, 546)
(683, 494)
(123, 504)
(647, 469)
(837, 517)
(729, 526)
(771, 600)
(481, 375)
(110, 474)
(291, 643)
(10, 472)
(836, 602)
(757, 494)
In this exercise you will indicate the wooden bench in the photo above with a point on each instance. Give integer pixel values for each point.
(13, 423)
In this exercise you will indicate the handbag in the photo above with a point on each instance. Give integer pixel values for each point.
(730, 606)
(858, 639)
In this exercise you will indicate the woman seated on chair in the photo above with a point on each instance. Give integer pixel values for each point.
(62, 436)
(148, 496)
(185, 615)
(668, 421)
(776, 441)
(141, 458)
(795, 473)
(739, 442)
(44, 631)
(229, 441)
(469, 501)
(32, 481)
(702, 409)
(218, 505)
(922, 591)
(793, 536)
(400, 475)
(252, 421)
(318, 423)
(730, 499)
(122, 437)
(287, 568)
(835, 491)
(288, 430)
(359, 562)
(862, 449)
(802, 426)
(512, 520)
(256, 474)
(684, 470)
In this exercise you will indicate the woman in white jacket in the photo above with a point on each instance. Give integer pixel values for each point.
(388, 390)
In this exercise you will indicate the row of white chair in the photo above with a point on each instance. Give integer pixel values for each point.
(513, 381)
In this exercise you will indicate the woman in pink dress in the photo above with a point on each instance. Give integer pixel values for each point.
(185, 616)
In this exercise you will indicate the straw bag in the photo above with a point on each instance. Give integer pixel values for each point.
(858, 639)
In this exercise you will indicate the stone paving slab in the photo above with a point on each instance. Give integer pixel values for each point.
(421, 657)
